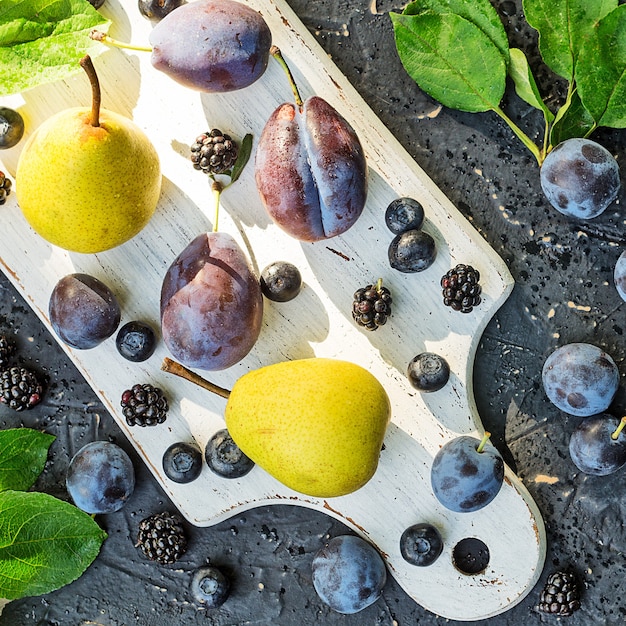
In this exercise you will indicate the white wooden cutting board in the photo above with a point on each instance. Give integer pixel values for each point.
(318, 322)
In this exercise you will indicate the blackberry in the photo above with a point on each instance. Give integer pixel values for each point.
(214, 152)
(461, 290)
(6, 349)
(5, 187)
(162, 537)
(144, 405)
(561, 594)
(19, 388)
(371, 306)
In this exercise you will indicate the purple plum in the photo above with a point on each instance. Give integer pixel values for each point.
(212, 45)
(211, 303)
(310, 170)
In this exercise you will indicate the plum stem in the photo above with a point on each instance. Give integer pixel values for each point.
(277, 54)
(379, 284)
(217, 189)
(172, 367)
(98, 35)
(483, 442)
(618, 430)
(96, 95)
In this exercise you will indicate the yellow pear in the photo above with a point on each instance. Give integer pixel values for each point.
(88, 180)
(317, 425)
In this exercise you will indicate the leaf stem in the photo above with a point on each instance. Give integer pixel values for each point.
(98, 35)
(277, 54)
(216, 188)
(172, 367)
(96, 95)
(521, 135)
(616, 434)
(483, 442)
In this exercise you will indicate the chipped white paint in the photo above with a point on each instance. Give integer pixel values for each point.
(317, 322)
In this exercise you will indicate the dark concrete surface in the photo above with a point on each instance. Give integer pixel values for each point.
(564, 292)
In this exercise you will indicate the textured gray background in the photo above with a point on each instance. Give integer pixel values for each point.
(564, 292)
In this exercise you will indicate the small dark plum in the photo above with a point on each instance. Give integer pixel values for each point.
(136, 341)
(428, 372)
(598, 445)
(580, 178)
(83, 311)
(467, 473)
(157, 9)
(412, 251)
(210, 587)
(580, 379)
(182, 462)
(421, 544)
(619, 275)
(404, 214)
(11, 128)
(100, 478)
(348, 574)
(281, 281)
(224, 456)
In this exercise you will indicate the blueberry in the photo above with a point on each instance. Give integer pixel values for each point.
(593, 449)
(421, 544)
(210, 587)
(136, 341)
(619, 275)
(404, 214)
(182, 462)
(100, 478)
(428, 372)
(412, 251)
(157, 9)
(580, 379)
(225, 457)
(348, 574)
(11, 128)
(281, 281)
(465, 477)
(580, 178)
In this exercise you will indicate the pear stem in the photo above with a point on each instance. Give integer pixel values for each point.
(622, 424)
(172, 367)
(483, 442)
(217, 189)
(98, 35)
(277, 54)
(96, 95)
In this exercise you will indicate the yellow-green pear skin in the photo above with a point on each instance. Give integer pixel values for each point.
(88, 188)
(317, 425)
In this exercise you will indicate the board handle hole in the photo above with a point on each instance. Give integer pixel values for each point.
(470, 556)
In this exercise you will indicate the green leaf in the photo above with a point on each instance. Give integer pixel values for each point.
(601, 71)
(42, 41)
(524, 81)
(245, 150)
(45, 543)
(572, 120)
(479, 12)
(23, 454)
(563, 26)
(451, 59)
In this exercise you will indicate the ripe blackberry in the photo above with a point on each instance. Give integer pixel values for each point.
(371, 306)
(162, 537)
(19, 388)
(144, 405)
(561, 594)
(461, 290)
(6, 349)
(214, 152)
(5, 187)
